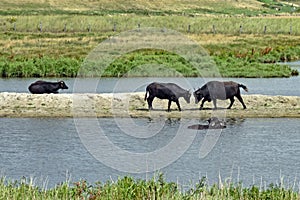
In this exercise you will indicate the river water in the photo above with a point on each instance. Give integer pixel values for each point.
(251, 151)
(266, 86)
(55, 150)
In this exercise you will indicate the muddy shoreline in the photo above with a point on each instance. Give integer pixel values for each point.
(133, 105)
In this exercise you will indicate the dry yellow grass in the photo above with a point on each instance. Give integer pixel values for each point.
(208, 39)
(152, 5)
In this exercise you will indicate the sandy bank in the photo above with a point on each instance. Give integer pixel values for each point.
(133, 105)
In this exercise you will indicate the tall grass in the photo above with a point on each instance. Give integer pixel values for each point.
(39, 67)
(136, 189)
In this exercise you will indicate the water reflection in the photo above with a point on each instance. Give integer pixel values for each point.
(235, 121)
(247, 150)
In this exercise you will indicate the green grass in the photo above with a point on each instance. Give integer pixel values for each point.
(151, 63)
(139, 64)
(39, 67)
(136, 189)
(145, 63)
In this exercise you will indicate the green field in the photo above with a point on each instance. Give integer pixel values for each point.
(52, 39)
(29, 52)
(142, 7)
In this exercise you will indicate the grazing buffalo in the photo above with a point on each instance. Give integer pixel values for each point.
(214, 90)
(168, 91)
(41, 87)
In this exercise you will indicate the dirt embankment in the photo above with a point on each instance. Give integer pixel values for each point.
(133, 105)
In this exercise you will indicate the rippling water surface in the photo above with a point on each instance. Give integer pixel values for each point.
(248, 150)
(265, 86)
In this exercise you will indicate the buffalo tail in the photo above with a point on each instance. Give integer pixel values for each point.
(146, 94)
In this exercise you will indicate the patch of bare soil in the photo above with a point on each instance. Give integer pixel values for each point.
(134, 105)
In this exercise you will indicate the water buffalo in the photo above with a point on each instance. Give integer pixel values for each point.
(41, 87)
(168, 91)
(214, 90)
(214, 123)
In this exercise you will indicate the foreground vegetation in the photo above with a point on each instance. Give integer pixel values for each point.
(131, 189)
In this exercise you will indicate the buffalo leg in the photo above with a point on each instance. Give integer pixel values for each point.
(149, 100)
(215, 103)
(202, 103)
(241, 100)
(169, 106)
(178, 105)
(231, 102)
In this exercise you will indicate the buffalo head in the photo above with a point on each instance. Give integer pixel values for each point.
(187, 96)
(62, 85)
(198, 95)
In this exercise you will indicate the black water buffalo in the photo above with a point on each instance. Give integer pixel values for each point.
(214, 123)
(169, 91)
(41, 87)
(214, 90)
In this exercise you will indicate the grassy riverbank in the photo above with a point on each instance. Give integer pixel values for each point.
(155, 188)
